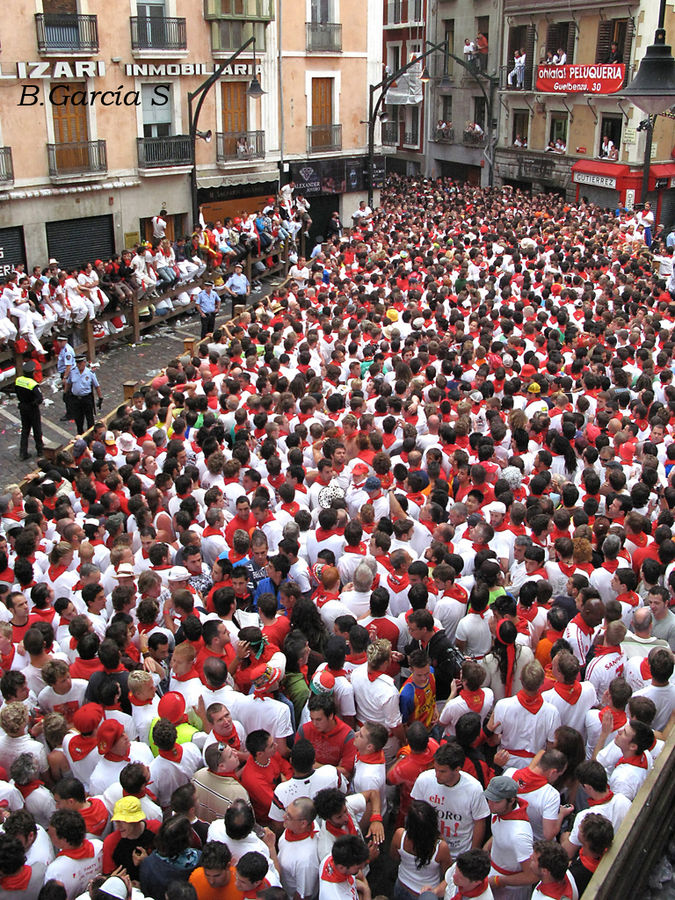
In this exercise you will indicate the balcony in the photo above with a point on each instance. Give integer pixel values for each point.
(250, 10)
(158, 33)
(324, 37)
(240, 145)
(473, 139)
(80, 158)
(391, 132)
(444, 135)
(506, 85)
(323, 138)
(6, 167)
(66, 33)
(163, 152)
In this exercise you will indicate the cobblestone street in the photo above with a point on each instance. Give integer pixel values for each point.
(123, 362)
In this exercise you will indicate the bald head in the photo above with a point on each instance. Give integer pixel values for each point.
(642, 621)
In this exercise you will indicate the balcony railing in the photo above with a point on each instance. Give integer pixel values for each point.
(445, 135)
(83, 157)
(66, 32)
(158, 33)
(473, 139)
(391, 133)
(506, 72)
(6, 167)
(322, 138)
(155, 153)
(411, 138)
(325, 37)
(240, 145)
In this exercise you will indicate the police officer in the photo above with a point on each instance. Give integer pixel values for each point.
(30, 397)
(208, 304)
(64, 363)
(81, 384)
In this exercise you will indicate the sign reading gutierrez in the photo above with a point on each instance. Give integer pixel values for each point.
(591, 79)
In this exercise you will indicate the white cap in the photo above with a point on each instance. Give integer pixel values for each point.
(178, 573)
(124, 570)
(495, 507)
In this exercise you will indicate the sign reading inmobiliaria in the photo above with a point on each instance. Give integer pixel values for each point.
(591, 79)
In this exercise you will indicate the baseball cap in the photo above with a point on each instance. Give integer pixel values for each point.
(360, 469)
(178, 573)
(496, 507)
(128, 809)
(109, 437)
(373, 483)
(62, 337)
(108, 734)
(507, 360)
(501, 788)
(126, 442)
(79, 447)
(114, 886)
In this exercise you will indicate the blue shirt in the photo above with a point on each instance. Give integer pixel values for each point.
(82, 383)
(207, 301)
(238, 284)
(66, 358)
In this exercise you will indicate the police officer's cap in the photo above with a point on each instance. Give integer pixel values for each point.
(62, 337)
(81, 357)
(28, 367)
(208, 284)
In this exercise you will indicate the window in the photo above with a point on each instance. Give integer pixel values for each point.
(415, 11)
(615, 41)
(446, 109)
(479, 111)
(157, 116)
(394, 12)
(521, 38)
(321, 12)
(235, 112)
(393, 58)
(411, 137)
(229, 35)
(521, 128)
(70, 121)
(610, 137)
(558, 133)
(560, 37)
(449, 31)
(481, 42)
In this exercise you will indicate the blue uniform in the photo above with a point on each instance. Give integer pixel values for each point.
(82, 385)
(208, 301)
(66, 358)
(238, 284)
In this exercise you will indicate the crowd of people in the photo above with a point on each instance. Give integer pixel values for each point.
(384, 570)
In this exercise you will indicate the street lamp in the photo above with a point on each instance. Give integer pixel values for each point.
(653, 88)
(387, 82)
(254, 90)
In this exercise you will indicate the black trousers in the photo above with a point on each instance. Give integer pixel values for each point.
(83, 408)
(208, 323)
(68, 403)
(30, 421)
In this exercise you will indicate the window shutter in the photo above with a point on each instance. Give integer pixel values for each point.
(530, 41)
(571, 35)
(553, 37)
(627, 48)
(605, 32)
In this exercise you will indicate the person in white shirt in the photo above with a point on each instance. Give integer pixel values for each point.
(176, 763)
(512, 841)
(661, 691)
(550, 864)
(631, 770)
(14, 740)
(375, 693)
(457, 797)
(306, 781)
(572, 698)
(78, 860)
(338, 878)
(593, 779)
(467, 695)
(298, 850)
(535, 785)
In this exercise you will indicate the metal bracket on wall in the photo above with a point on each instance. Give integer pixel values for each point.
(506, 106)
(569, 111)
(592, 109)
(619, 103)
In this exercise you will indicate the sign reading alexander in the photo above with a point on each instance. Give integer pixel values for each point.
(592, 79)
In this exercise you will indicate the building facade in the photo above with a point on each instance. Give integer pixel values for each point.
(94, 118)
(561, 127)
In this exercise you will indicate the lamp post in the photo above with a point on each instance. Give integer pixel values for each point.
(653, 88)
(374, 107)
(253, 90)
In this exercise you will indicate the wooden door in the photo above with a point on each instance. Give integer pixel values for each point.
(71, 130)
(235, 119)
(322, 112)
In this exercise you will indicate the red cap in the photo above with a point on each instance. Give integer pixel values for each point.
(88, 717)
(172, 707)
(108, 735)
(528, 371)
(98, 262)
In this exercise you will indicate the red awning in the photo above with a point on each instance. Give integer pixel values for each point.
(601, 167)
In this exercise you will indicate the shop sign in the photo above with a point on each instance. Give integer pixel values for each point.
(605, 181)
(590, 79)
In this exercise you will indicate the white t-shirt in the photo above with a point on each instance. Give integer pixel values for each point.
(544, 803)
(459, 807)
(288, 791)
(377, 700)
(356, 807)
(511, 844)
(166, 775)
(75, 874)
(664, 699)
(454, 709)
(604, 669)
(476, 632)
(615, 810)
(335, 887)
(522, 731)
(573, 714)
(299, 863)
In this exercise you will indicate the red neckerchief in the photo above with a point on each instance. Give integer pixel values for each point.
(474, 892)
(588, 862)
(473, 699)
(373, 676)
(639, 762)
(619, 717)
(211, 530)
(291, 508)
(531, 704)
(337, 831)
(529, 614)
(559, 890)
(528, 781)
(81, 746)
(175, 754)
(86, 851)
(570, 693)
(398, 583)
(27, 789)
(517, 814)
(457, 592)
(371, 759)
(604, 649)
(322, 596)
(232, 740)
(292, 838)
(323, 535)
(629, 597)
(567, 568)
(193, 673)
(55, 572)
(136, 702)
(361, 549)
(583, 627)
(607, 797)
(331, 874)
(17, 882)
(611, 565)
(7, 659)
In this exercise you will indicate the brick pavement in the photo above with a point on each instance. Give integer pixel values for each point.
(123, 362)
